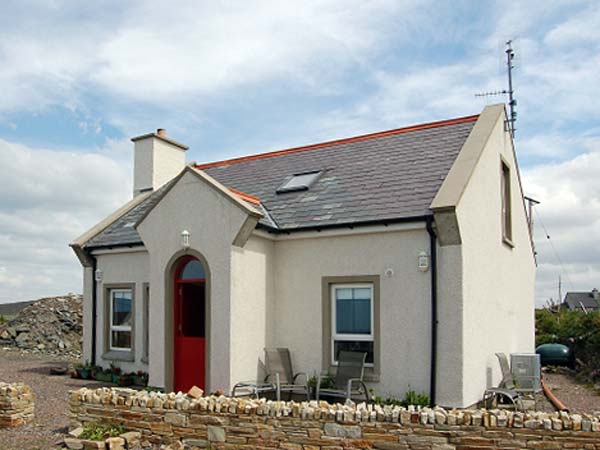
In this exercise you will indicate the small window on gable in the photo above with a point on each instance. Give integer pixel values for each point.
(506, 203)
(299, 182)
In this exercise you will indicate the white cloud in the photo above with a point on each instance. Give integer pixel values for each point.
(48, 198)
(570, 212)
(147, 60)
(155, 53)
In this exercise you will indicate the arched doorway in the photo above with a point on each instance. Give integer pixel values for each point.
(190, 324)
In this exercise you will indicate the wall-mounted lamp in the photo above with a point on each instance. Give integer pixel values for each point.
(423, 262)
(185, 239)
(98, 275)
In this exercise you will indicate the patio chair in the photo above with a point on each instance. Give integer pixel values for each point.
(506, 390)
(278, 365)
(348, 380)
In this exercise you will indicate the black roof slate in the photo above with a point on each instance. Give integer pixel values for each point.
(385, 177)
(574, 300)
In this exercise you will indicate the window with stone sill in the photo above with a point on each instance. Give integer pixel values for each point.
(352, 320)
(121, 319)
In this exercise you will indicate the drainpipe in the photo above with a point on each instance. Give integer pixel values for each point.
(434, 319)
(94, 307)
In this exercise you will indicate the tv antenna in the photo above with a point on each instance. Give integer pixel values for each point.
(512, 103)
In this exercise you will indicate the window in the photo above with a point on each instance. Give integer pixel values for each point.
(193, 270)
(352, 319)
(121, 319)
(299, 182)
(506, 203)
(146, 323)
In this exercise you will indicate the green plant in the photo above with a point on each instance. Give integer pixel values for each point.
(575, 329)
(84, 370)
(98, 431)
(327, 381)
(411, 397)
(140, 378)
(154, 389)
(2, 319)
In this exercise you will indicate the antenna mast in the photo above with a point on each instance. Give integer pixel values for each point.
(510, 55)
(512, 102)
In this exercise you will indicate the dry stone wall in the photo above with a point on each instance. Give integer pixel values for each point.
(226, 423)
(16, 404)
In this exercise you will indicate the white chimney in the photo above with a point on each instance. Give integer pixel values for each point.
(595, 294)
(156, 160)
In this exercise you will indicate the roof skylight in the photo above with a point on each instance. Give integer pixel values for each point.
(299, 182)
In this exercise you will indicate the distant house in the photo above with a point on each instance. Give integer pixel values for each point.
(411, 245)
(583, 301)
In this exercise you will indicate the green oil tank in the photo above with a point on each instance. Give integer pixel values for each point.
(554, 355)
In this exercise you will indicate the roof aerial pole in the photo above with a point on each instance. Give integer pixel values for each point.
(510, 55)
(512, 102)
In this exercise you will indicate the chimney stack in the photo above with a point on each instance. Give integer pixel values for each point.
(595, 294)
(157, 159)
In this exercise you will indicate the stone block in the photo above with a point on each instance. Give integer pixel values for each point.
(195, 392)
(93, 445)
(216, 434)
(73, 443)
(115, 443)
(332, 429)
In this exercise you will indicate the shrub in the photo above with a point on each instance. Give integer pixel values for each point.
(98, 431)
(411, 397)
(575, 329)
(327, 381)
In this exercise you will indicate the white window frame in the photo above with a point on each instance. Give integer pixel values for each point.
(335, 336)
(112, 327)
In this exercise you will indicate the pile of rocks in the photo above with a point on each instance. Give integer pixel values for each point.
(16, 404)
(50, 325)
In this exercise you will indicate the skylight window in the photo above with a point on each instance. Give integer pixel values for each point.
(299, 182)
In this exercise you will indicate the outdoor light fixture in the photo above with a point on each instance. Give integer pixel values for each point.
(98, 275)
(423, 262)
(185, 239)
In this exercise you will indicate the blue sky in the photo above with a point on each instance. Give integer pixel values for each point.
(230, 78)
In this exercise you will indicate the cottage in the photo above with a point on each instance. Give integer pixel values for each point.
(583, 301)
(410, 244)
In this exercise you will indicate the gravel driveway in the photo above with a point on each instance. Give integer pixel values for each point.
(578, 398)
(51, 401)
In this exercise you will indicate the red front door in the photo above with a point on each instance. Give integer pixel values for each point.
(190, 325)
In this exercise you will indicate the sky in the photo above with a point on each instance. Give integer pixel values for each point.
(230, 78)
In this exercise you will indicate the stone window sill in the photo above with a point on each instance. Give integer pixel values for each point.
(114, 355)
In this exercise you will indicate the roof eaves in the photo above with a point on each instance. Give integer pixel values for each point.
(112, 218)
(349, 224)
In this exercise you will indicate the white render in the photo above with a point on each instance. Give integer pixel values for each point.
(498, 280)
(156, 161)
(117, 268)
(265, 290)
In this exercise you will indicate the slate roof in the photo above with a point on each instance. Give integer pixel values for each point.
(387, 176)
(574, 300)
